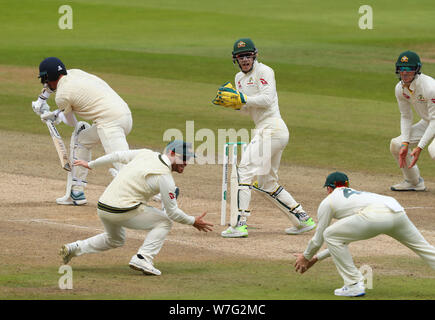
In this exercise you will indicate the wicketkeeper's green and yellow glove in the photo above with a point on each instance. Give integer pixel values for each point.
(229, 97)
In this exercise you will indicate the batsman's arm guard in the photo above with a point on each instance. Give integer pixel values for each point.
(68, 118)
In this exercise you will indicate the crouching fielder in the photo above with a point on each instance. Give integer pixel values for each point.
(124, 204)
(88, 96)
(362, 215)
(414, 90)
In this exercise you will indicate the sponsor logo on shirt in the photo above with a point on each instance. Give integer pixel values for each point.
(239, 85)
(171, 195)
(405, 95)
(433, 100)
(421, 98)
(263, 82)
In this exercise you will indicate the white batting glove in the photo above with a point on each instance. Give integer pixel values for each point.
(53, 116)
(40, 107)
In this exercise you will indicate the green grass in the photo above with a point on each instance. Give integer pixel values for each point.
(335, 82)
(166, 59)
(214, 280)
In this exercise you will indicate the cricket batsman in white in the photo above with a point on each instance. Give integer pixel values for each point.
(361, 215)
(124, 203)
(417, 90)
(86, 95)
(255, 94)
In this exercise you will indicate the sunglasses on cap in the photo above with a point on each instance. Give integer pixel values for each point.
(407, 69)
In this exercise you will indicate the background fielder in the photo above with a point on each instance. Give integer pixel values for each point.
(361, 215)
(124, 203)
(255, 94)
(413, 90)
(88, 96)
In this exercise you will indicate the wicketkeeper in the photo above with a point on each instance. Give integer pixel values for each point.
(255, 94)
(88, 96)
(417, 90)
(361, 215)
(124, 203)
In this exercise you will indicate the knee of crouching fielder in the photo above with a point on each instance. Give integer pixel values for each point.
(395, 145)
(116, 243)
(327, 235)
(169, 224)
(431, 150)
(165, 224)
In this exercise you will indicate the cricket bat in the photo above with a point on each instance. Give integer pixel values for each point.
(59, 145)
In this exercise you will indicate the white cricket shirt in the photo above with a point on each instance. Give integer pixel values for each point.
(341, 203)
(90, 97)
(421, 95)
(259, 86)
(145, 174)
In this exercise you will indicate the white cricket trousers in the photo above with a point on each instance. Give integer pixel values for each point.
(417, 131)
(141, 218)
(261, 159)
(370, 222)
(112, 136)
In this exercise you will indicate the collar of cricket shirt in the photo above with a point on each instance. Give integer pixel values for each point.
(164, 158)
(61, 81)
(415, 83)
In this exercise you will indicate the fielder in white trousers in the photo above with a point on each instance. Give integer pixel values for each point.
(142, 218)
(415, 90)
(124, 204)
(361, 215)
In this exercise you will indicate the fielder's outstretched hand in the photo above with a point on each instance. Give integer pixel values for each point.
(202, 225)
(402, 155)
(302, 264)
(82, 163)
(415, 154)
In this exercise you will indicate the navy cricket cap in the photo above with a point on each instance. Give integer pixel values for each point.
(50, 69)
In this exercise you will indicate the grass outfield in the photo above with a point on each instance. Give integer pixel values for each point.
(214, 280)
(167, 58)
(335, 81)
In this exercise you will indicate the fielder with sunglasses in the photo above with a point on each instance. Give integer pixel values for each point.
(124, 203)
(413, 90)
(255, 94)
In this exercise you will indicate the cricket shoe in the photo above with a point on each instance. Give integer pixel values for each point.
(68, 251)
(304, 226)
(407, 186)
(139, 263)
(354, 290)
(75, 198)
(237, 232)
